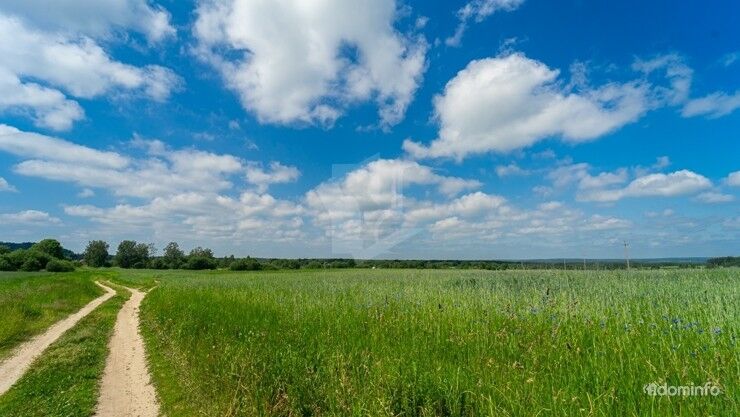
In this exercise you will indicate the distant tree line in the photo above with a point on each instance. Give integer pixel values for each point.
(723, 261)
(49, 255)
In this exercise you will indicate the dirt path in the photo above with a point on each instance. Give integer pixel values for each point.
(18, 363)
(126, 388)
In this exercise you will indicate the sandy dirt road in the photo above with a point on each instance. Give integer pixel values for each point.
(13, 368)
(126, 388)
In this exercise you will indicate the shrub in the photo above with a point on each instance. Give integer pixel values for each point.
(248, 264)
(32, 265)
(200, 262)
(27, 260)
(5, 265)
(56, 265)
(313, 265)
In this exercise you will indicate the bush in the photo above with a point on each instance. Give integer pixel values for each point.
(200, 262)
(32, 265)
(56, 265)
(5, 265)
(158, 263)
(248, 264)
(313, 265)
(27, 260)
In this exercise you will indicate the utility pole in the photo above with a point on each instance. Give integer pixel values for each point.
(627, 254)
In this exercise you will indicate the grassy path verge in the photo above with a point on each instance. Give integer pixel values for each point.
(31, 302)
(13, 367)
(65, 380)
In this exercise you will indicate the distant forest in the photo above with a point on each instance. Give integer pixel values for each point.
(131, 254)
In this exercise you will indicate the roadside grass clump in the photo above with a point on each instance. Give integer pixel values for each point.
(441, 343)
(64, 381)
(31, 302)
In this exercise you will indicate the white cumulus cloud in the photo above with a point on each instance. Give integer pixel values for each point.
(95, 18)
(478, 11)
(510, 102)
(292, 61)
(653, 185)
(276, 174)
(39, 69)
(5, 186)
(28, 218)
(733, 179)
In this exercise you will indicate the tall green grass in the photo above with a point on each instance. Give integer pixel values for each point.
(31, 302)
(442, 343)
(65, 380)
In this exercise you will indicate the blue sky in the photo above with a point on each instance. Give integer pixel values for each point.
(374, 128)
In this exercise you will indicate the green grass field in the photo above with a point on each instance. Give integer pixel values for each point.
(392, 342)
(441, 343)
(64, 382)
(31, 302)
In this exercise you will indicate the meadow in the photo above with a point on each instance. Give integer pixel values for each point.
(440, 342)
(31, 302)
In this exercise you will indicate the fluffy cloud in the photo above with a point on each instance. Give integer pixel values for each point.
(677, 93)
(277, 174)
(653, 185)
(733, 179)
(28, 218)
(204, 215)
(373, 208)
(509, 102)
(96, 18)
(510, 170)
(713, 197)
(597, 222)
(672, 68)
(579, 174)
(45, 106)
(714, 105)
(478, 10)
(68, 63)
(162, 172)
(36, 146)
(184, 193)
(379, 185)
(292, 61)
(5, 186)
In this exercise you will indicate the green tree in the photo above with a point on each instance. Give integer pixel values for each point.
(96, 253)
(51, 247)
(201, 258)
(201, 253)
(132, 255)
(173, 256)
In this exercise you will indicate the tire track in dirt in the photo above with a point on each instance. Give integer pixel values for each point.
(126, 389)
(13, 368)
